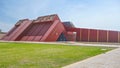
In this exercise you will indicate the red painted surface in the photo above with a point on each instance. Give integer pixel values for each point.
(55, 30)
(42, 30)
(118, 37)
(49, 32)
(19, 31)
(70, 36)
(36, 32)
(102, 36)
(38, 35)
(9, 33)
(73, 34)
(113, 36)
(84, 35)
(78, 35)
(93, 35)
(49, 28)
(20, 28)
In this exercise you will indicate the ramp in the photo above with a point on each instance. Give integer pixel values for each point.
(16, 31)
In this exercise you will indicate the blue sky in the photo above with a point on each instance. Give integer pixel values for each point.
(95, 14)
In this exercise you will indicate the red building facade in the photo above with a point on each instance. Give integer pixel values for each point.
(50, 28)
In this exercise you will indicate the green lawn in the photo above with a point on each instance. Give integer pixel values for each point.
(26, 55)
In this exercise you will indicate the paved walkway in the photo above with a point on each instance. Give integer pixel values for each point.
(110, 59)
(72, 43)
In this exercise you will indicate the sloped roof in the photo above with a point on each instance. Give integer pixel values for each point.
(68, 24)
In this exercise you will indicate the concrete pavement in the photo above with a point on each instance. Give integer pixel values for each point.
(72, 43)
(110, 59)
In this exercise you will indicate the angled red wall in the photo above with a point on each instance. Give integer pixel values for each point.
(54, 32)
(45, 28)
(9, 33)
(18, 29)
(49, 28)
(36, 31)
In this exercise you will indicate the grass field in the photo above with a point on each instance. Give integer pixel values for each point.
(26, 55)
